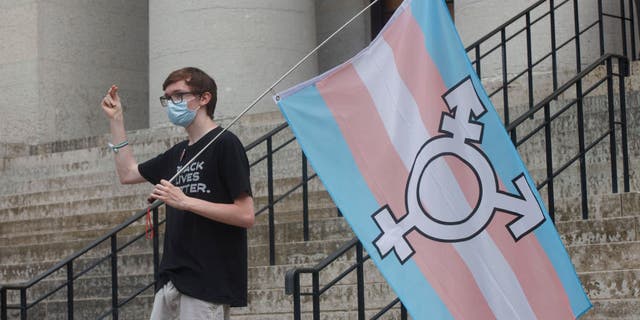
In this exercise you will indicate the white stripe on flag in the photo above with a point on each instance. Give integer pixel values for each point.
(407, 132)
(380, 75)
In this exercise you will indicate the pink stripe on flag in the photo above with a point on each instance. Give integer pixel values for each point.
(365, 134)
(536, 274)
(448, 274)
(349, 101)
(422, 77)
(418, 70)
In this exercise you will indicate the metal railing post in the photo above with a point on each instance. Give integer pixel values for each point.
(316, 294)
(156, 249)
(360, 280)
(478, 65)
(529, 61)
(623, 26)
(637, 21)
(297, 312)
(580, 113)
(70, 290)
(576, 24)
(612, 127)
(554, 54)
(305, 199)
(632, 28)
(601, 27)
(272, 235)
(23, 303)
(505, 79)
(114, 277)
(549, 160)
(623, 70)
(3, 304)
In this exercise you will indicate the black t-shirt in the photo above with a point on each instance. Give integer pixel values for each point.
(203, 258)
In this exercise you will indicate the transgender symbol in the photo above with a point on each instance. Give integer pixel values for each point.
(460, 134)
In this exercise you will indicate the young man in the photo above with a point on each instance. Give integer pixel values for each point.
(209, 206)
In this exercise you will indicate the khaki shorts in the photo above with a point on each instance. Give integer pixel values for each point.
(169, 304)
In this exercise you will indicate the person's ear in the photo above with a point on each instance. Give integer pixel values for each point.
(205, 98)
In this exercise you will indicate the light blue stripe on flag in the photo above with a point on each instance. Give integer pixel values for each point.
(319, 135)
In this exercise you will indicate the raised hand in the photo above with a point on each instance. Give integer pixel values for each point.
(111, 104)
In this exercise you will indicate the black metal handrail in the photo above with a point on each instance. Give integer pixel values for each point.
(545, 107)
(71, 276)
(498, 40)
(73, 273)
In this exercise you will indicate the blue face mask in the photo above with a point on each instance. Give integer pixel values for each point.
(179, 114)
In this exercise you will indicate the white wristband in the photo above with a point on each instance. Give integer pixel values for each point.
(118, 146)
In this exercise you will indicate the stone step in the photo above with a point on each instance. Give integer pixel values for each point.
(58, 210)
(56, 251)
(72, 194)
(337, 298)
(110, 188)
(97, 283)
(599, 231)
(72, 223)
(285, 253)
(603, 287)
(316, 200)
(103, 175)
(329, 315)
(46, 184)
(614, 309)
(128, 263)
(607, 285)
(296, 253)
(319, 229)
(601, 206)
(598, 178)
(100, 157)
(338, 303)
(323, 224)
(136, 202)
(54, 236)
(248, 129)
(605, 257)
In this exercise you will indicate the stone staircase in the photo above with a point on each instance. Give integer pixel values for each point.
(56, 198)
(606, 252)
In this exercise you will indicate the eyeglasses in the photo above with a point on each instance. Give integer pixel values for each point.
(175, 98)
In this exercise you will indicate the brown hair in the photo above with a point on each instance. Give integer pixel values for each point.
(198, 81)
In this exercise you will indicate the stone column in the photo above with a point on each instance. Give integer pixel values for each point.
(244, 45)
(21, 116)
(57, 58)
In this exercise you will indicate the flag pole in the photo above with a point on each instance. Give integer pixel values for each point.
(269, 89)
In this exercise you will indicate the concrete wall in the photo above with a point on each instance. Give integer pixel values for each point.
(244, 45)
(59, 57)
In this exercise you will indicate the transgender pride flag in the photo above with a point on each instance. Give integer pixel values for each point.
(409, 146)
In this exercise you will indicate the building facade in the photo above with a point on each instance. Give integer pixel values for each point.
(58, 57)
